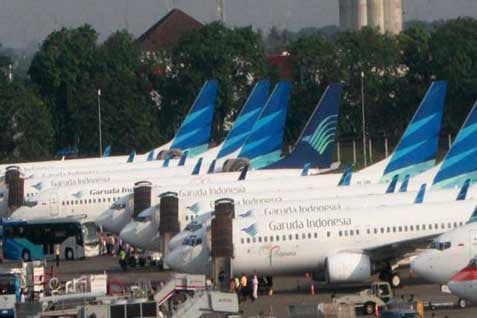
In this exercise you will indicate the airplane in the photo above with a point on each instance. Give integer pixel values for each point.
(341, 247)
(143, 232)
(193, 135)
(464, 284)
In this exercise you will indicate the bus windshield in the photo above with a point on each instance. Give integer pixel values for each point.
(7, 284)
(90, 233)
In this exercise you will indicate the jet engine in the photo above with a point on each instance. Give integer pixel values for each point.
(237, 164)
(347, 267)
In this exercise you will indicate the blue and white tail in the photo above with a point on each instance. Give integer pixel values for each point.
(263, 145)
(194, 133)
(460, 163)
(317, 141)
(245, 121)
(417, 149)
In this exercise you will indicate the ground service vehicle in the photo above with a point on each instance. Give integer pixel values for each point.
(378, 295)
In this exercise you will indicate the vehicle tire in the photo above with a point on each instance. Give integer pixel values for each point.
(462, 303)
(395, 280)
(26, 256)
(369, 308)
(69, 254)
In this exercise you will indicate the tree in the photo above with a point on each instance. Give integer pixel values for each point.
(63, 70)
(25, 123)
(233, 56)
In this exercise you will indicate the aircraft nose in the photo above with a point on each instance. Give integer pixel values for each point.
(177, 240)
(129, 233)
(178, 259)
(104, 218)
(113, 220)
(423, 266)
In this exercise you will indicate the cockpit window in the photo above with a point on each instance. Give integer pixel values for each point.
(192, 241)
(440, 245)
(30, 203)
(118, 206)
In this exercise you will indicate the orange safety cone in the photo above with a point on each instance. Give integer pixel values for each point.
(376, 310)
(312, 289)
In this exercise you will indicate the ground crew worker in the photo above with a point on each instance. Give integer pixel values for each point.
(122, 259)
(57, 254)
(243, 286)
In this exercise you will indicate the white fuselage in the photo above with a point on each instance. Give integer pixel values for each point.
(284, 245)
(458, 245)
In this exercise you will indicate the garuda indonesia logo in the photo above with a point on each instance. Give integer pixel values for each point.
(323, 135)
(251, 230)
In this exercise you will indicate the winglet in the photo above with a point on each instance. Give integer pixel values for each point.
(404, 184)
(183, 158)
(197, 166)
(392, 185)
(420, 195)
(165, 163)
(243, 173)
(473, 217)
(107, 151)
(131, 156)
(212, 167)
(306, 169)
(150, 155)
(346, 177)
(463, 191)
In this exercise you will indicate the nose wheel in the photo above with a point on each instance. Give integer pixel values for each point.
(394, 279)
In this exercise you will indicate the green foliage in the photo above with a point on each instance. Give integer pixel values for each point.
(25, 123)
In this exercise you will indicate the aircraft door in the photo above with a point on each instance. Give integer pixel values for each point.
(53, 205)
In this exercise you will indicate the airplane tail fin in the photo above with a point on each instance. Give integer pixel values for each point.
(243, 173)
(246, 119)
(131, 156)
(194, 133)
(317, 140)
(460, 163)
(404, 184)
(417, 149)
(212, 167)
(107, 151)
(150, 155)
(197, 167)
(306, 169)
(263, 145)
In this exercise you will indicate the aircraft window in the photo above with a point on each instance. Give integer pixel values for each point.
(115, 206)
(436, 226)
(187, 218)
(290, 237)
(297, 237)
(440, 245)
(259, 239)
(346, 233)
(316, 234)
(394, 229)
(340, 233)
(62, 202)
(449, 225)
(455, 224)
(351, 232)
(284, 238)
(417, 228)
(388, 229)
(328, 234)
(369, 231)
(277, 238)
(443, 225)
(265, 238)
(423, 227)
(248, 240)
(382, 230)
(375, 231)
(30, 204)
(271, 238)
(411, 228)
(357, 232)
(241, 241)
(303, 236)
(461, 223)
(400, 228)
(309, 235)
(254, 240)
(405, 228)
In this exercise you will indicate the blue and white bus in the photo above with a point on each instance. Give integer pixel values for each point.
(36, 239)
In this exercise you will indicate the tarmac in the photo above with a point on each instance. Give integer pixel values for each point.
(287, 290)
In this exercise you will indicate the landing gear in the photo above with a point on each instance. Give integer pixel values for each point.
(392, 278)
(462, 303)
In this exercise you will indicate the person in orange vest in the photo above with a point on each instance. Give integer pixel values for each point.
(243, 286)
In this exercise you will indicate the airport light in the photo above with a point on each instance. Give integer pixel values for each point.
(99, 124)
(364, 119)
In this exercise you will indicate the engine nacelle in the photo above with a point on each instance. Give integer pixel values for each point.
(236, 164)
(347, 267)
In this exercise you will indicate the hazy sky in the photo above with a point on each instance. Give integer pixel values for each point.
(26, 22)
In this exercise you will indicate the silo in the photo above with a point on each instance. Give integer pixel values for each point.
(376, 14)
(360, 14)
(393, 16)
(346, 14)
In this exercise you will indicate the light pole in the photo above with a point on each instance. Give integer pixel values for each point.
(364, 119)
(99, 124)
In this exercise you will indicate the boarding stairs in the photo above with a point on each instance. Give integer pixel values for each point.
(207, 302)
(180, 282)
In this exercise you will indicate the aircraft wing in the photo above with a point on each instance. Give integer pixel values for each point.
(397, 250)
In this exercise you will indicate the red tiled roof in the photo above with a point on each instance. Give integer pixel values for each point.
(167, 31)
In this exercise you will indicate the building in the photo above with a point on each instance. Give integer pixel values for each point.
(385, 15)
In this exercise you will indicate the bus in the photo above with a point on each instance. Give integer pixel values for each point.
(36, 239)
